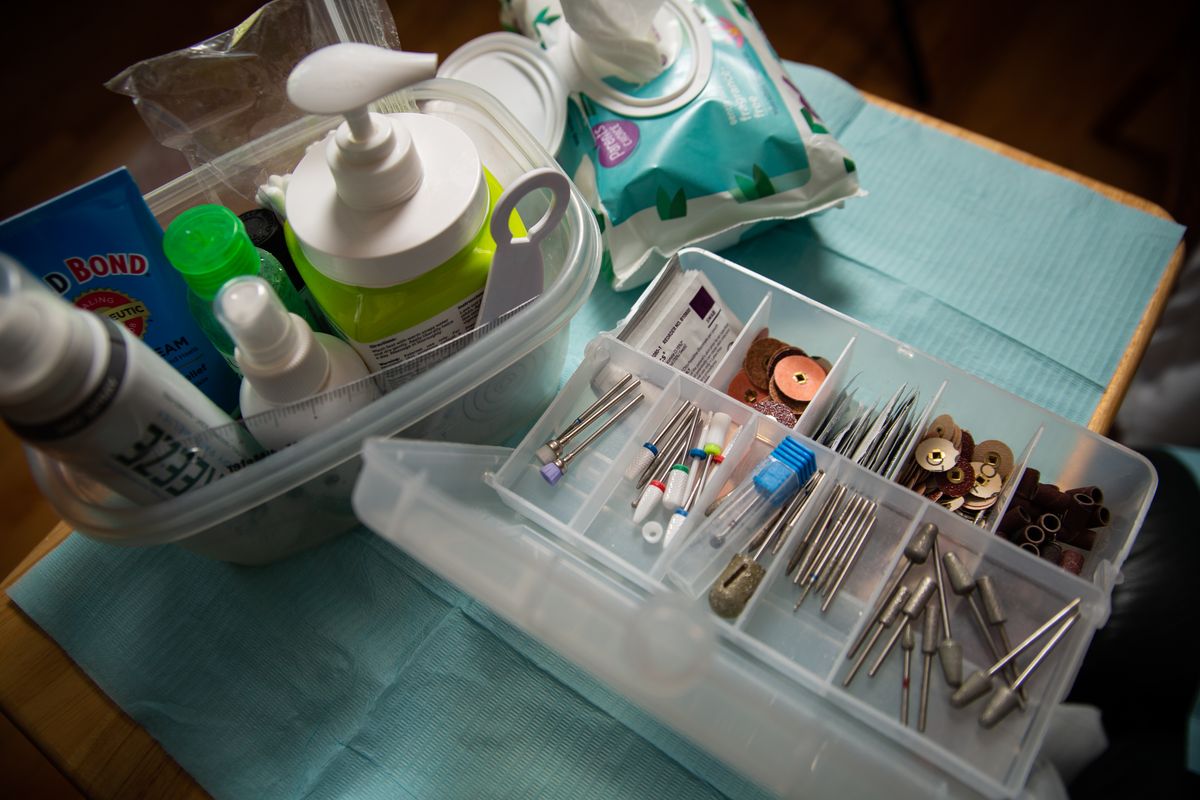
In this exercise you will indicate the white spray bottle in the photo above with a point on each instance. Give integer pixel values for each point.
(283, 362)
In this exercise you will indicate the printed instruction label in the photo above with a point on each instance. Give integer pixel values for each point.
(693, 329)
(420, 339)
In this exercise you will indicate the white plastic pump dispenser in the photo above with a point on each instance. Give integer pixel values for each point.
(87, 391)
(388, 197)
(283, 361)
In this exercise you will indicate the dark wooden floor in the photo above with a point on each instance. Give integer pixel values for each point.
(1103, 88)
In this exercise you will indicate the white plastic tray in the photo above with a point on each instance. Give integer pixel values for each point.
(764, 692)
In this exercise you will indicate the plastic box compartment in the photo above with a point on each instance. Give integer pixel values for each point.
(488, 387)
(764, 691)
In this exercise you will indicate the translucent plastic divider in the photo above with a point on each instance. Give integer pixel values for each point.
(615, 497)
(560, 507)
(743, 451)
(825, 396)
(697, 563)
(923, 421)
(807, 635)
(613, 476)
(732, 361)
(1072, 458)
(1030, 593)
(1008, 490)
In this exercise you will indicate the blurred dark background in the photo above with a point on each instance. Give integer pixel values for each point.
(1102, 88)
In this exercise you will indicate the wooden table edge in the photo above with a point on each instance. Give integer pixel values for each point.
(182, 784)
(138, 766)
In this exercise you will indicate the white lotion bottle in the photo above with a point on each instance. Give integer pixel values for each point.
(284, 362)
(88, 393)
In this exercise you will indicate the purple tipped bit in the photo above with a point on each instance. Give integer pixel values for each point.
(551, 472)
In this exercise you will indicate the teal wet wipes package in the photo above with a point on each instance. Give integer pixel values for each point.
(717, 141)
(100, 247)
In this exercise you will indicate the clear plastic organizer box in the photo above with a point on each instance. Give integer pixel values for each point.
(483, 387)
(764, 692)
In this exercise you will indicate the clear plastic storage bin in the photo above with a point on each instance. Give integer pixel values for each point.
(764, 691)
(483, 387)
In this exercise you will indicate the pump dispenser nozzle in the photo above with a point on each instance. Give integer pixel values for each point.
(371, 156)
(359, 205)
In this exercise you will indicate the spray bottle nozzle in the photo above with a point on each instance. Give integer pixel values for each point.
(276, 350)
(256, 320)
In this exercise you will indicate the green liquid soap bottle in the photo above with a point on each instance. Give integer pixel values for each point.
(388, 217)
(208, 245)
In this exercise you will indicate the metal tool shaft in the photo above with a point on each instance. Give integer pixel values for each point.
(600, 431)
(911, 610)
(666, 449)
(1065, 611)
(886, 617)
(597, 408)
(869, 523)
(929, 646)
(906, 642)
(937, 558)
(812, 536)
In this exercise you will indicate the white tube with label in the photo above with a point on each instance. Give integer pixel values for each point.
(284, 362)
(90, 394)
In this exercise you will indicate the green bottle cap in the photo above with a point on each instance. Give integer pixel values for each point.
(208, 245)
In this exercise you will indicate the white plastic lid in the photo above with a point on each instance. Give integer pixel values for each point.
(518, 73)
(388, 197)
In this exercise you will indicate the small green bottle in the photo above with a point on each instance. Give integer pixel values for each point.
(208, 245)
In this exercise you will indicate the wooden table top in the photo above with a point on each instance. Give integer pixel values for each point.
(106, 754)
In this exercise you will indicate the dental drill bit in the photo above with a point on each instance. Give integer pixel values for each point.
(908, 641)
(994, 613)
(554, 471)
(915, 552)
(670, 443)
(553, 448)
(964, 586)
(832, 543)
(929, 646)
(950, 653)
(650, 448)
(867, 523)
(669, 457)
(1005, 698)
(978, 683)
(809, 544)
(886, 617)
(911, 610)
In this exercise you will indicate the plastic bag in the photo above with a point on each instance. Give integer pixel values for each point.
(230, 89)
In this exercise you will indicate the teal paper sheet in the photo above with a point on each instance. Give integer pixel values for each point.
(347, 671)
(350, 671)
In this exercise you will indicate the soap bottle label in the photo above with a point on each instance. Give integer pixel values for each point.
(419, 340)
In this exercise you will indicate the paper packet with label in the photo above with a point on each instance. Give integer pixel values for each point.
(718, 142)
(682, 321)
